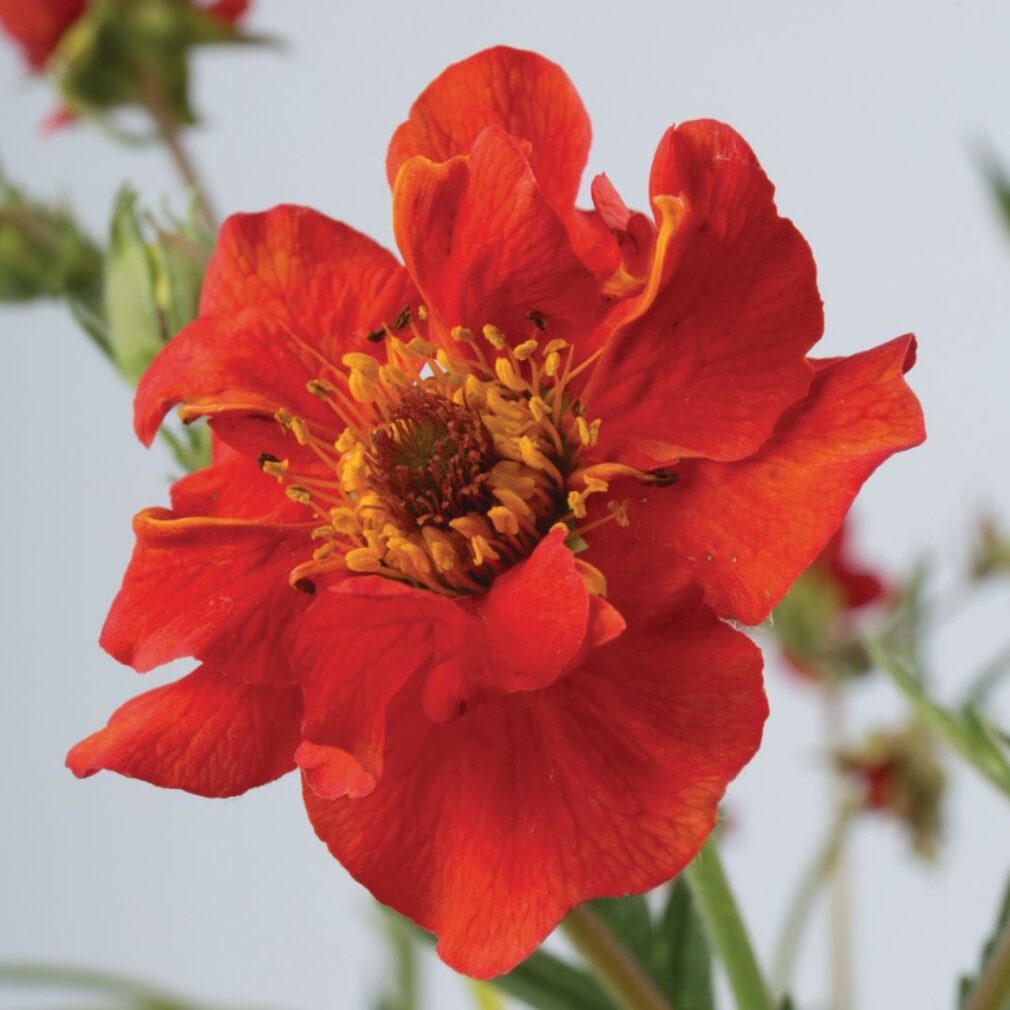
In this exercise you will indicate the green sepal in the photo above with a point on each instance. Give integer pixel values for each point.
(153, 277)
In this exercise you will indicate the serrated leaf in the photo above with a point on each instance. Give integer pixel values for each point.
(969, 983)
(682, 959)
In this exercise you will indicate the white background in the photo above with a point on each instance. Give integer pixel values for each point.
(864, 114)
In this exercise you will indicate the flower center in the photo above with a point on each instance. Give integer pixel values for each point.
(455, 459)
(430, 461)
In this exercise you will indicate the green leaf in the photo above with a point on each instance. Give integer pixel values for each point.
(682, 959)
(969, 983)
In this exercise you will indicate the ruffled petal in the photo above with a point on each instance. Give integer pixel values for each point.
(526, 95)
(329, 283)
(712, 352)
(744, 531)
(485, 245)
(241, 368)
(286, 295)
(216, 589)
(488, 829)
(529, 629)
(355, 649)
(206, 733)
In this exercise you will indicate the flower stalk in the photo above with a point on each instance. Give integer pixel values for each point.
(726, 931)
(992, 991)
(621, 976)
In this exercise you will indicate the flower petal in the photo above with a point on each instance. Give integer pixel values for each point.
(521, 635)
(485, 245)
(713, 351)
(488, 829)
(37, 27)
(212, 588)
(521, 92)
(246, 366)
(328, 282)
(349, 671)
(206, 733)
(746, 530)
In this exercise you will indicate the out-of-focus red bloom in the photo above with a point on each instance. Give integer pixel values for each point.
(816, 623)
(857, 586)
(897, 773)
(38, 25)
(472, 521)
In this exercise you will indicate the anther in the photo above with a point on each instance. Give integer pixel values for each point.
(525, 350)
(538, 319)
(494, 337)
(376, 336)
(265, 457)
(402, 319)
(462, 334)
(299, 494)
(304, 586)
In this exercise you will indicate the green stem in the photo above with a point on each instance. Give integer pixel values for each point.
(802, 904)
(725, 929)
(622, 976)
(993, 989)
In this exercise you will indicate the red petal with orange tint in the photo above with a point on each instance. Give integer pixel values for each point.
(355, 649)
(524, 94)
(216, 589)
(713, 350)
(246, 366)
(485, 245)
(206, 733)
(329, 283)
(520, 636)
(488, 829)
(746, 530)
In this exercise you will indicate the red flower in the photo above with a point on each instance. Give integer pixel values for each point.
(517, 483)
(857, 586)
(38, 25)
(817, 623)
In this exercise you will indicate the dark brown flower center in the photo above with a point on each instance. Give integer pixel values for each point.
(431, 461)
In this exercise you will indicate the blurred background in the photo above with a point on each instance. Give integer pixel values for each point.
(869, 119)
